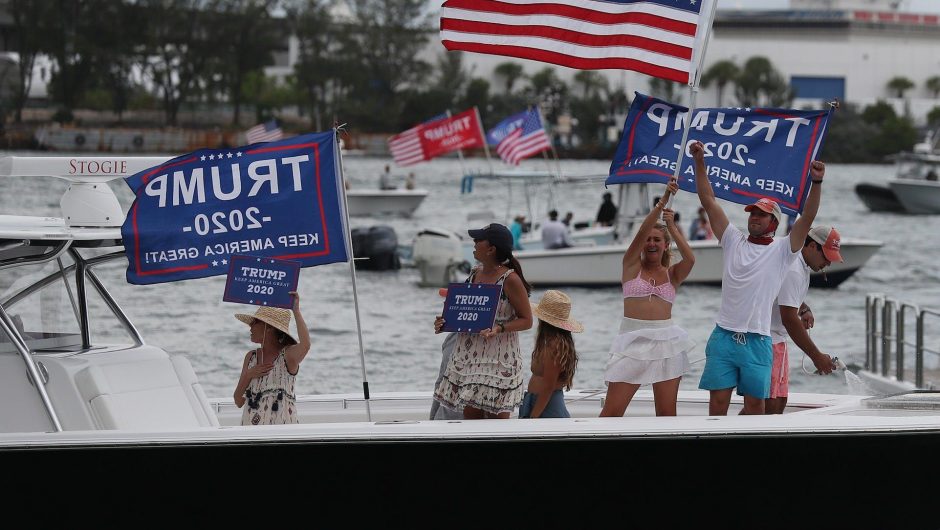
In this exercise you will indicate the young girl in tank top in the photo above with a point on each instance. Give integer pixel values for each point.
(650, 349)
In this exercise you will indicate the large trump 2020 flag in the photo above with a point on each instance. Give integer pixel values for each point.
(278, 200)
(749, 153)
(661, 38)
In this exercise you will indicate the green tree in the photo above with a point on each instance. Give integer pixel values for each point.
(592, 83)
(452, 77)
(933, 85)
(666, 90)
(477, 95)
(510, 72)
(28, 18)
(721, 74)
(933, 117)
(899, 85)
(761, 85)
(386, 37)
(879, 113)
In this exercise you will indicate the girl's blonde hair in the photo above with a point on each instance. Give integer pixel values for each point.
(559, 345)
(667, 237)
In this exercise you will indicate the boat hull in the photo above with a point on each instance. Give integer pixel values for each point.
(917, 196)
(592, 479)
(879, 198)
(384, 202)
(602, 265)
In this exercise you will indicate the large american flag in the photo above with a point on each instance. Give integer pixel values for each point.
(525, 140)
(661, 38)
(264, 132)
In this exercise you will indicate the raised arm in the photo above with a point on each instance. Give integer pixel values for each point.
(631, 258)
(805, 221)
(716, 216)
(295, 353)
(680, 271)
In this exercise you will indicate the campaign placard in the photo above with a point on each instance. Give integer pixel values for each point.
(261, 281)
(471, 307)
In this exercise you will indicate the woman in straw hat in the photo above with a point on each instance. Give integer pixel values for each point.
(554, 358)
(650, 349)
(267, 379)
(485, 373)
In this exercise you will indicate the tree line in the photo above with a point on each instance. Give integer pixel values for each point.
(359, 62)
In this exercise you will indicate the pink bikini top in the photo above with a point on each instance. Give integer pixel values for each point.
(640, 288)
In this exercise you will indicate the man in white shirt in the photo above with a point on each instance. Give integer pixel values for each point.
(555, 233)
(792, 317)
(738, 353)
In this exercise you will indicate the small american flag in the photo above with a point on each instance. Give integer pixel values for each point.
(406, 147)
(661, 38)
(524, 141)
(264, 132)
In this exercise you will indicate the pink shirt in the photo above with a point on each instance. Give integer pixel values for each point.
(640, 288)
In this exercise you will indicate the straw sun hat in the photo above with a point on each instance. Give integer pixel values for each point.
(275, 317)
(555, 309)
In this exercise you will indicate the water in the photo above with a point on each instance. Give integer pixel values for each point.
(402, 352)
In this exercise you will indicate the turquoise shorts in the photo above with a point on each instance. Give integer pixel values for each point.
(742, 360)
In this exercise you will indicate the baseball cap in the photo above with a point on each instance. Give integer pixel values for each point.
(498, 235)
(830, 241)
(766, 205)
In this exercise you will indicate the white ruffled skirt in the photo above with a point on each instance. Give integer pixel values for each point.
(648, 351)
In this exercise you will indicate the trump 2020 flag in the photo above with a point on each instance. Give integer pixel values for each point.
(749, 153)
(661, 38)
(279, 200)
(519, 136)
(436, 137)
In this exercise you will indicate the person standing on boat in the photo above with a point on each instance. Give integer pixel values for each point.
(516, 229)
(485, 373)
(738, 352)
(385, 179)
(699, 228)
(607, 213)
(650, 348)
(792, 317)
(554, 358)
(266, 383)
(555, 233)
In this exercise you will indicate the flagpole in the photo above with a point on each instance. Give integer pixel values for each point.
(693, 93)
(352, 271)
(486, 147)
(551, 144)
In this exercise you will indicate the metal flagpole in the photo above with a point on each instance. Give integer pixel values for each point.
(693, 93)
(486, 147)
(352, 268)
(551, 144)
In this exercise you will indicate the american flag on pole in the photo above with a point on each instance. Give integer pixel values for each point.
(525, 137)
(264, 132)
(406, 146)
(661, 38)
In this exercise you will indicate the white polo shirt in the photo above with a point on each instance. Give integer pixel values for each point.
(750, 281)
(792, 293)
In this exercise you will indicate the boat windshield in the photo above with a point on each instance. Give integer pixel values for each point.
(42, 301)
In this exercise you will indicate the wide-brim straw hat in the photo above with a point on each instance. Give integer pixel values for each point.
(555, 308)
(275, 317)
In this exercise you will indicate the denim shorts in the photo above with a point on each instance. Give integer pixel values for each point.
(555, 408)
(742, 360)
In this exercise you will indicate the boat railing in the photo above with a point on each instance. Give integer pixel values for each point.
(887, 342)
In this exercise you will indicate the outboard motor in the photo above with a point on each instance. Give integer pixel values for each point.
(377, 243)
(438, 254)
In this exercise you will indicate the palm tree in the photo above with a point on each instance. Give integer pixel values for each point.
(899, 85)
(591, 81)
(721, 73)
(510, 71)
(933, 85)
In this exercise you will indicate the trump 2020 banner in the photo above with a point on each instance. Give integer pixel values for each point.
(749, 153)
(278, 199)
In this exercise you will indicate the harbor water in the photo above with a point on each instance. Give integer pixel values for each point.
(401, 350)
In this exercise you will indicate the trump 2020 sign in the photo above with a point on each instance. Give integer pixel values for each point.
(279, 199)
(749, 153)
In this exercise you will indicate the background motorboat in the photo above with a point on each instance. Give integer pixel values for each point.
(404, 202)
(915, 188)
